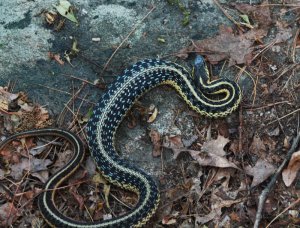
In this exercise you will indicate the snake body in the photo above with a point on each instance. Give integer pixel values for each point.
(216, 98)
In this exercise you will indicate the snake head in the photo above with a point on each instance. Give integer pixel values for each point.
(200, 70)
(199, 60)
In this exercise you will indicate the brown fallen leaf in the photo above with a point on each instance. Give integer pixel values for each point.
(257, 146)
(55, 57)
(42, 175)
(227, 45)
(207, 159)
(289, 174)
(8, 214)
(190, 141)
(173, 142)
(153, 111)
(216, 146)
(6, 99)
(224, 173)
(269, 142)
(259, 13)
(168, 220)
(218, 201)
(33, 165)
(79, 198)
(2, 174)
(63, 158)
(99, 179)
(260, 172)
(156, 141)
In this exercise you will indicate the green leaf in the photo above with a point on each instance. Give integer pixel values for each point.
(245, 18)
(64, 8)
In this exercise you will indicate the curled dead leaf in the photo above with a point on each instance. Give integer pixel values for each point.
(8, 214)
(289, 174)
(216, 146)
(207, 159)
(227, 45)
(156, 141)
(153, 113)
(173, 142)
(55, 57)
(257, 146)
(99, 179)
(260, 172)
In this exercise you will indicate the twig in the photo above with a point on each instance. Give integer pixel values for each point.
(126, 38)
(282, 5)
(287, 69)
(241, 129)
(243, 70)
(80, 79)
(293, 49)
(65, 92)
(287, 208)
(297, 110)
(264, 49)
(265, 192)
(227, 14)
(62, 114)
(265, 106)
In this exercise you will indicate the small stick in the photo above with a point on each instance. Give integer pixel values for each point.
(80, 79)
(227, 14)
(287, 208)
(265, 106)
(282, 5)
(264, 49)
(62, 114)
(297, 110)
(265, 192)
(65, 92)
(294, 44)
(126, 38)
(241, 129)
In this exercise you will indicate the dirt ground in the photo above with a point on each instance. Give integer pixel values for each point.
(210, 172)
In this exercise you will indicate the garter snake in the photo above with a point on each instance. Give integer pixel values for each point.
(216, 98)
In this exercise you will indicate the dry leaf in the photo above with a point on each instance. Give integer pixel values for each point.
(168, 221)
(63, 158)
(156, 141)
(199, 220)
(289, 174)
(79, 198)
(90, 166)
(99, 179)
(8, 214)
(174, 142)
(216, 146)
(227, 45)
(153, 111)
(32, 166)
(55, 57)
(217, 203)
(257, 146)
(43, 175)
(2, 174)
(260, 172)
(190, 141)
(259, 13)
(207, 159)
